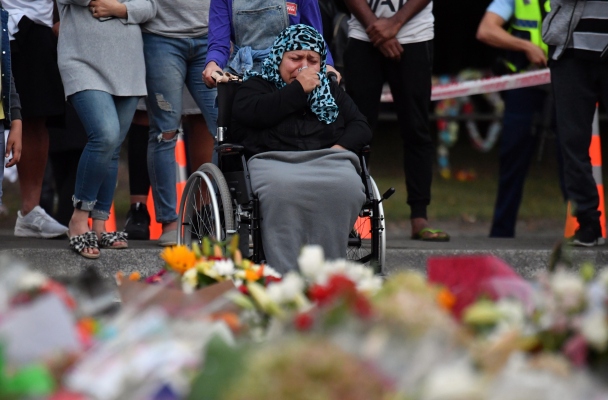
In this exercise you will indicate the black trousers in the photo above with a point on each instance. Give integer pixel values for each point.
(366, 70)
(578, 85)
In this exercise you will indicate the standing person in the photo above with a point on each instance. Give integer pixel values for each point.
(525, 50)
(10, 107)
(32, 31)
(577, 35)
(175, 47)
(102, 65)
(393, 41)
(241, 32)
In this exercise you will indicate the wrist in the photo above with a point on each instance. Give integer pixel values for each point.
(120, 10)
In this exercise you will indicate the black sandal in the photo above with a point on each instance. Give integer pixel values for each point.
(108, 239)
(87, 240)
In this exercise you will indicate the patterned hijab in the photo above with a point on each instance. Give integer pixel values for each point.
(301, 37)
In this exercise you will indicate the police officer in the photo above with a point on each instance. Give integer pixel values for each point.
(515, 26)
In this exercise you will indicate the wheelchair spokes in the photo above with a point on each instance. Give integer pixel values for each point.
(206, 208)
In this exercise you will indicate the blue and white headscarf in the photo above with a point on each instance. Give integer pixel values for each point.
(301, 37)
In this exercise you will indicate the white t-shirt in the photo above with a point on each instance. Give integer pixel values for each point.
(39, 11)
(418, 29)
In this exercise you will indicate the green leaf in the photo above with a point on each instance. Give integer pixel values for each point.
(223, 365)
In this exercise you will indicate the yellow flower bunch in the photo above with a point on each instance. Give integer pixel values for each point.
(179, 258)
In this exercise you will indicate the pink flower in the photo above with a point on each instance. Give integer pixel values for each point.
(576, 350)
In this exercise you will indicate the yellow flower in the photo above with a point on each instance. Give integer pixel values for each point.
(179, 258)
(251, 274)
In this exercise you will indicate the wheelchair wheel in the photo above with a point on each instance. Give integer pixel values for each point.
(366, 244)
(206, 207)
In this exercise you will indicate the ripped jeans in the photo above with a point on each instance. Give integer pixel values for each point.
(172, 63)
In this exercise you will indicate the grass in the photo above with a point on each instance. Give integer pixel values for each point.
(471, 200)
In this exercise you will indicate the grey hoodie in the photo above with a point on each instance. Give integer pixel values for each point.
(560, 23)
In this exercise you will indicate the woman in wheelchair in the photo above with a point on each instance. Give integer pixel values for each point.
(301, 134)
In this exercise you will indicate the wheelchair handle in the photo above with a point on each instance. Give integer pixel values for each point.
(332, 76)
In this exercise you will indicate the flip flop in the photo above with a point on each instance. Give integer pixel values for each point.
(108, 239)
(431, 235)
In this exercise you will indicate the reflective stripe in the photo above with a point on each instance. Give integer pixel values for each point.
(589, 41)
(595, 10)
(525, 23)
(597, 175)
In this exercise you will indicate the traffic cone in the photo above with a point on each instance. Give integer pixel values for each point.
(364, 227)
(181, 174)
(595, 152)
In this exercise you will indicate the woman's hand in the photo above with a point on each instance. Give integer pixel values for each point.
(308, 78)
(337, 147)
(210, 68)
(13, 143)
(107, 8)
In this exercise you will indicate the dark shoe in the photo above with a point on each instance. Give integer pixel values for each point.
(138, 222)
(588, 236)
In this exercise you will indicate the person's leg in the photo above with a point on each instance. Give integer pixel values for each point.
(410, 83)
(137, 223)
(65, 164)
(31, 167)
(165, 77)
(125, 109)
(37, 80)
(517, 146)
(97, 111)
(205, 100)
(575, 87)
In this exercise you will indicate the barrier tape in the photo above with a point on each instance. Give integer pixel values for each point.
(479, 86)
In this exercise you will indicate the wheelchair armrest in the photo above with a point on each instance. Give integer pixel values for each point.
(230, 148)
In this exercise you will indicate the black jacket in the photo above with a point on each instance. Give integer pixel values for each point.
(265, 118)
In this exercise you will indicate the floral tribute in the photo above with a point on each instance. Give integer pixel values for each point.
(208, 263)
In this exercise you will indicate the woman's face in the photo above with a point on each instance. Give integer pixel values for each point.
(294, 61)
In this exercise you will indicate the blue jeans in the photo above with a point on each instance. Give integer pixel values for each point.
(171, 63)
(106, 120)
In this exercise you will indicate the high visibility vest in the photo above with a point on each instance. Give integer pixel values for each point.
(526, 23)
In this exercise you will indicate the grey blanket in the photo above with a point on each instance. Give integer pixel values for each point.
(306, 197)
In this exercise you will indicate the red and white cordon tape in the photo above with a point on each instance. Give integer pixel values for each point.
(479, 86)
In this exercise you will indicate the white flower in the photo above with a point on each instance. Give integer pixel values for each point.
(512, 314)
(286, 290)
(223, 267)
(568, 288)
(269, 271)
(190, 280)
(370, 285)
(311, 260)
(595, 331)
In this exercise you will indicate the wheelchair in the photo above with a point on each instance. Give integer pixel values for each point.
(218, 201)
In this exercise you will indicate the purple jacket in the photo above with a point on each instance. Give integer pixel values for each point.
(221, 31)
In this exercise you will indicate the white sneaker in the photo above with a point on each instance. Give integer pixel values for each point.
(38, 224)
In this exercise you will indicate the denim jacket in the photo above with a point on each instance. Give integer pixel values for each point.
(560, 23)
(11, 104)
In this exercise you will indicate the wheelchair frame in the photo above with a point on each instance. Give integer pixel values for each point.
(218, 200)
